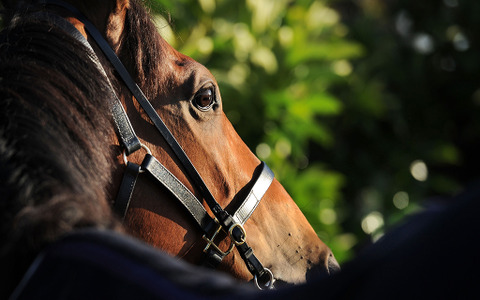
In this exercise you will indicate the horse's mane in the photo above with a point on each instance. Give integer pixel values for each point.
(55, 120)
(55, 160)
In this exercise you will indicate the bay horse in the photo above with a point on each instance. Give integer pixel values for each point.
(48, 74)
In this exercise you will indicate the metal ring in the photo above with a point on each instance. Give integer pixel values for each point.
(269, 284)
(230, 232)
(125, 160)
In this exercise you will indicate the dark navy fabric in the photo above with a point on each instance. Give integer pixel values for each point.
(94, 264)
(434, 255)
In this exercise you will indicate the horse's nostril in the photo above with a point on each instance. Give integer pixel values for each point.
(333, 266)
(325, 268)
(329, 266)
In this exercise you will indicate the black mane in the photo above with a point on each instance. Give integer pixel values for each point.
(55, 156)
(56, 129)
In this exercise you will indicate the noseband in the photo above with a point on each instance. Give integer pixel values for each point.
(231, 224)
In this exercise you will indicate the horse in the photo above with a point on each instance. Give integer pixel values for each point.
(73, 151)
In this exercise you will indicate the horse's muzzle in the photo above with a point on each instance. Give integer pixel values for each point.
(329, 267)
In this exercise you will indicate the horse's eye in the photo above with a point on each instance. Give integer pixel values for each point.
(204, 99)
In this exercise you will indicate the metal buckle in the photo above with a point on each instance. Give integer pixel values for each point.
(230, 232)
(125, 159)
(269, 284)
(211, 241)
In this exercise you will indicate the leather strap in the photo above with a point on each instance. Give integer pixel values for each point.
(259, 189)
(153, 167)
(122, 202)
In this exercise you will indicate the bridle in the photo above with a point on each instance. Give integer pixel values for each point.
(231, 224)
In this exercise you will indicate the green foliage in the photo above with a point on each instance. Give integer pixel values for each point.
(359, 116)
(409, 128)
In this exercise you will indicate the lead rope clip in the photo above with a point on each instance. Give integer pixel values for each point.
(269, 284)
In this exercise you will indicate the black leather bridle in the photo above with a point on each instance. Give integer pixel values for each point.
(232, 224)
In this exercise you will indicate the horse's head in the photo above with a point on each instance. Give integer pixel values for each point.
(186, 96)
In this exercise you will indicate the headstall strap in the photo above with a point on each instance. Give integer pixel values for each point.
(232, 225)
